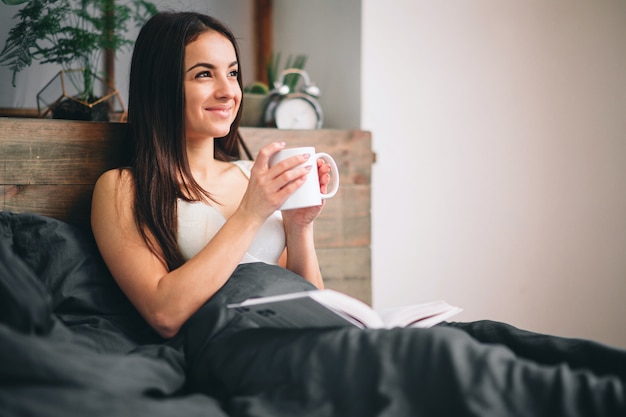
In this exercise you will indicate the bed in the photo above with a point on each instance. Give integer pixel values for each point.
(72, 345)
(69, 337)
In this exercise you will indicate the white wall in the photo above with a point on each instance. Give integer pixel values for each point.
(329, 33)
(501, 176)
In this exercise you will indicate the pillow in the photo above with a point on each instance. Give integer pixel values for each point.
(25, 304)
(67, 262)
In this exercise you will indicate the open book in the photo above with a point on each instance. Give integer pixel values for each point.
(330, 308)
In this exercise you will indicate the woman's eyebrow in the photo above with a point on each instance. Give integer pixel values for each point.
(211, 66)
(201, 64)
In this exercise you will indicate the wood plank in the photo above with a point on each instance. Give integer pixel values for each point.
(336, 227)
(69, 203)
(36, 151)
(19, 112)
(360, 289)
(347, 269)
(346, 218)
(52, 150)
(351, 149)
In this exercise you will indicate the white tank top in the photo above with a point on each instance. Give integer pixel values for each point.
(198, 222)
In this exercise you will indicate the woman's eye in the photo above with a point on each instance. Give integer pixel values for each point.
(203, 74)
(234, 73)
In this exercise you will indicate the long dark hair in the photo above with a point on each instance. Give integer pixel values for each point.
(156, 119)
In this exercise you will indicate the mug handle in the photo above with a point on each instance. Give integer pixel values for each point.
(334, 174)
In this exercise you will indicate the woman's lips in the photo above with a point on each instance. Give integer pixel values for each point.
(221, 111)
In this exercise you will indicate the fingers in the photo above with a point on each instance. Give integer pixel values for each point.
(264, 158)
(267, 151)
(323, 171)
(279, 181)
(293, 178)
(274, 184)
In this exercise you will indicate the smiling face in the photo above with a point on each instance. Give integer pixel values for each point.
(212, 92)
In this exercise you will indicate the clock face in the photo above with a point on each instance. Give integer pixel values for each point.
(296, 113)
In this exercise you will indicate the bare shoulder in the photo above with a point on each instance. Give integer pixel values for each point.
(112, 198)
(115, 179)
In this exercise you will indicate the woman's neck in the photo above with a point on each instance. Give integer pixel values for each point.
(202, 163)
(200, 153)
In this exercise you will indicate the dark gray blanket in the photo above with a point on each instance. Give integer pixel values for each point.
(70, 342)
(455, 369)
(72, 345)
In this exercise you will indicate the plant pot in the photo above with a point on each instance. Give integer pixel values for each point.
(70, 108)
(64, 98)
(253, 109)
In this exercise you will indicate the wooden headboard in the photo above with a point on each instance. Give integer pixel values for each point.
(49, 167)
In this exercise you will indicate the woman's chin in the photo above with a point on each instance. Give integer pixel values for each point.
(219, 133)
(221, 129)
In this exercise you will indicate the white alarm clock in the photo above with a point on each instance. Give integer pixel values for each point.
(293, 110)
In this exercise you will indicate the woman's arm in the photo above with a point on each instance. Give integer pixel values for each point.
(166, 299)
(301, 253)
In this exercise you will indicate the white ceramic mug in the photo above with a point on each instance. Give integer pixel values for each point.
(309, 194)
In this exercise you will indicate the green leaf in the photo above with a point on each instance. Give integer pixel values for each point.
(70, 32)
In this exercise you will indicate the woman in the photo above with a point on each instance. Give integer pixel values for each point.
(186, 229)
(183, 167)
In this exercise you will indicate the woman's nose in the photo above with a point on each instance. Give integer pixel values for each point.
(227, 87)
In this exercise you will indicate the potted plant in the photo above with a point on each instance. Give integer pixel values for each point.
(74, 34)
(257, 92)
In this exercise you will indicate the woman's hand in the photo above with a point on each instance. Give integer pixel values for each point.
(302, 217)
(269, 187)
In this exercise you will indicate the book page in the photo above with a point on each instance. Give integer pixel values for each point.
(436, 319)
(330, 308)
(315, 308)
(410, 315)
(350, 306)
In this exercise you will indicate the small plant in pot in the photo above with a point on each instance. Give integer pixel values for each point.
(256, 94)
(73, 34)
